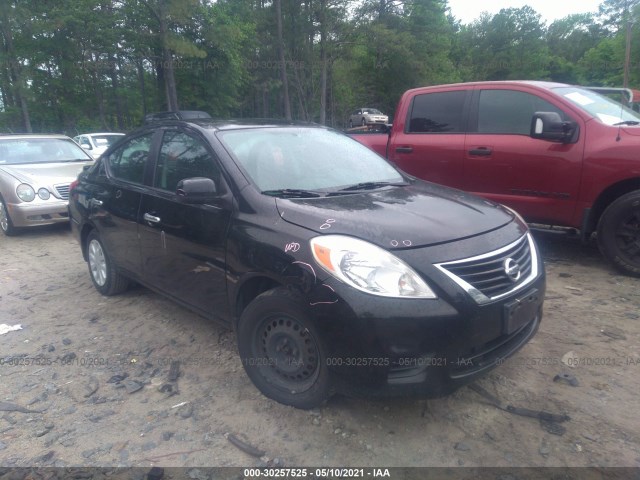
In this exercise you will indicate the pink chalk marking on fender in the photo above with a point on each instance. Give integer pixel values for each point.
(315, 277)
(328, 303)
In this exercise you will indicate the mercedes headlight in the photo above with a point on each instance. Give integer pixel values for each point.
(368, 268)
(25, 192)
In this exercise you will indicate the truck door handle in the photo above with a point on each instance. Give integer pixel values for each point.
(150, 218)
(404, 149)
(482, 152)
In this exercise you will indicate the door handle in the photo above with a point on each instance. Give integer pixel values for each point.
(150, 218)
(482, 152)
(404, 149)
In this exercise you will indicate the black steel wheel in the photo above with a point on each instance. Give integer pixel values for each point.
(619, 233)
(104, 274)
(281, 350)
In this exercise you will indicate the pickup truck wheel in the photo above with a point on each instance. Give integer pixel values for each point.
(281, 350)
(619, 233)
(6, 225)
(103, 272)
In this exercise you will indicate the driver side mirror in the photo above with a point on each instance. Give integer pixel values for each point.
(196, 190)
(550, 126)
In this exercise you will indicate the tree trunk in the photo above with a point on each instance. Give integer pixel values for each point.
(283, 66)
(167, 65)
(323, 62)
(15, 70)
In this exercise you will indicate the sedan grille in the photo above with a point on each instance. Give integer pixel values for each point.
(63, 191)
(495, 274)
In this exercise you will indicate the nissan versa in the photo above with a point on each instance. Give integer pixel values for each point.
(338, 272)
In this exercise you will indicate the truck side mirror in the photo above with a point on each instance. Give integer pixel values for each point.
(550, 126)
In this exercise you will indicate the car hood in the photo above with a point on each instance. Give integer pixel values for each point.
(45, 173)
(420, 214)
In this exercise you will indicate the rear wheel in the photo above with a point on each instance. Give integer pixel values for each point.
(6, 225)
(103, 272)
(281, 350)
(619, 233)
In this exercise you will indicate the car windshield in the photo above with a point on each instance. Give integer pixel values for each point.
(105, 140)
(605, 109)
(40, 150)
(306, 159)
(372, 111)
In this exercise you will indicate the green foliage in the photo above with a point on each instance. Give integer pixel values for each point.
(80, 65)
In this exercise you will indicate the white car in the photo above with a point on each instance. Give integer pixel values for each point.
(96, 143)
(366, 116)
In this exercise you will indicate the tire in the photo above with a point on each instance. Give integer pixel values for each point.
(6, 225)
(364, 122)
(281, 350)
(619, 233)
(102, 270)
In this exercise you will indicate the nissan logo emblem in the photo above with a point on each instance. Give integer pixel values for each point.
(512, 269)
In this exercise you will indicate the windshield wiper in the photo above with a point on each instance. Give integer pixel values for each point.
(291, 193)
(627, 122)
(371, 186)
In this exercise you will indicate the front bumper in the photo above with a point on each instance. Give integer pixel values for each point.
(428, 350)
(45, 212)
(430, 347)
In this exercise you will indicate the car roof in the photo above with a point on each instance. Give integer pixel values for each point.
(535, 83)
(233, 124)
(100, 133)
(35, 136)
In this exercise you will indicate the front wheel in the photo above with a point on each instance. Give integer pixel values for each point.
(6, 225)
(103, 272)
(281, 350)
(619, 233)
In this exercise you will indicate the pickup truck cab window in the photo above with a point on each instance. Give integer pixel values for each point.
(441, 112)
(510, 111)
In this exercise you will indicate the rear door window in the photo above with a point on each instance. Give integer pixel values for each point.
(441, 112)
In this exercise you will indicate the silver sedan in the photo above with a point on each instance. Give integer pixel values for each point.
(35, 174)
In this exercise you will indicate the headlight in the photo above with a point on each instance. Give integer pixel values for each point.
(25, 192)
(368, 268)
(44, 194)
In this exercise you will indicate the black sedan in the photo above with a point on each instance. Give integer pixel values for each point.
(337, 271)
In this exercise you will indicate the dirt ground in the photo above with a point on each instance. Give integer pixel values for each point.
(93, 374)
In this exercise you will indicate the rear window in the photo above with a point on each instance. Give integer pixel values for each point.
(438, 113)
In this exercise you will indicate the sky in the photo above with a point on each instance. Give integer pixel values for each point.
(469, 10)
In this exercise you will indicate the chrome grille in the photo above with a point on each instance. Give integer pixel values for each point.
(485, 276)
(63, 191)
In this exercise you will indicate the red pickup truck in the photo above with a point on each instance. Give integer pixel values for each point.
(558, 154)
